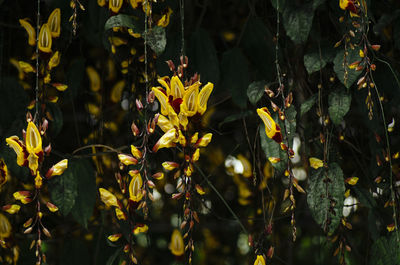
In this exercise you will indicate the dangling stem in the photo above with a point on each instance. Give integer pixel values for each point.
(37, 61)
(182, 13)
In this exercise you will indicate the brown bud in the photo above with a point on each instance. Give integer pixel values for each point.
(46, 232)
(171, 65)
(135, 129)
(376, 47)
(47, 149)
(29, 117)
(150, 97)
(270, 252)
(139, 105)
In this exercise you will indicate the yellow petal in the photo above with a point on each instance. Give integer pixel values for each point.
(22, 196)
(120, 214)
(316, 163)
(135, 188)
(53, 208)
(115, 5)
(30, 30)
(101, 2)
(190, 100)
(205, 140)
(162, 98)
(274, 160)
(390, 227)
(167, 140)
(26, 67)
(176, 245)
(16, 145)
(170, 165)
(164, 124)
(54, 22)
(94, 78)
(12, 209)
(33, 163)
(54, 60)
(135, 3)
(136, 152)
(114, 238)
(203, 97)
(60, 87)
(3, 173)
(45, 40)
(127, 159)
(247, 168)
(164, 20)
(108, 198)
(200, 189)
(361, 53)
(352, 181)
(33, 139)
(196, 155)
(260, 260)
(140, 228)
(177, 89)
(58, 168)
(5, 227)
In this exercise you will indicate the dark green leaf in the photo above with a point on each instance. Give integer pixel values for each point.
(235, 76)
(203, 56)
(298, 22)
(308, 104)
(325, 197)
(122, 20)
(255, 91)
(157, 39)
(63, 190)
(385, 251)
(341, 69)
(339, 104)
(87, 192)
(313, 62)
(75, 75)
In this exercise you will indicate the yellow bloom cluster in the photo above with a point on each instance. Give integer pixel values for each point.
(179, 103)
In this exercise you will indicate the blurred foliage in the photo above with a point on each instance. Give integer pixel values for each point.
(232, 44)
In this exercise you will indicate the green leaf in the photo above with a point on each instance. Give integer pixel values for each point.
(255, 91)
(259, 48)
(235, 76)
(122, 20)
(385, 251)
(87, 192)
(157, 39)
(325, 197)
(341, 69)
(313, 62)
(203, 56)
(273, 149)
(63, 190)
(339, 104)
(297, 22)
(308, 104)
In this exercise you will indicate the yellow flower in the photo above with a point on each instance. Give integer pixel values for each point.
(127, 159)
(54, 60)
(315, 162)
(115, 5)
(101, 2)
(135, 188)
(164, 20)
(272, 129)
(205, 140)
(18, 148)
(108, 198)
(190, 100)
(57, 169)
(45, 40)
(260, 260)
(352, 181)
(114, 238)
(140, 228)
(176, 245)
(53, 208)
(3, 173)
(12, 209)
(54, 23)
(22, 196)
(169, 139)
(162, 98)
(136, 152)
(5, 227)
(350, 5)
(30, 30)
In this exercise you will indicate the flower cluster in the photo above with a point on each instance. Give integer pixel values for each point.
(30, 154)
(182, 105)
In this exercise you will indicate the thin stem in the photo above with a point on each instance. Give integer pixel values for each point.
(37, 60)
(182, 13)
